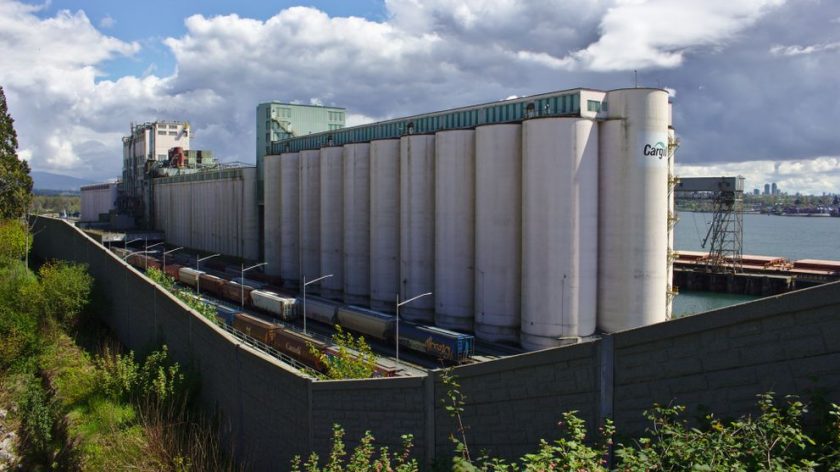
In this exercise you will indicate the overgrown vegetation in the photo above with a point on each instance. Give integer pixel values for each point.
(775, 440)
(79, 404)
(205, 309)
(353, 358)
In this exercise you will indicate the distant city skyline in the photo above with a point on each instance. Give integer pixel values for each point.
(77, 73)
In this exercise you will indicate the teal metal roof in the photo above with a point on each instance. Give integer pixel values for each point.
(561, 103)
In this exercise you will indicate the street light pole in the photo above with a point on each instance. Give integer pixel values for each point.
(198, 276)
(399, 304)
(147, 250)
(303, 287)
(125, 244)
(242, 282)
(163, 267)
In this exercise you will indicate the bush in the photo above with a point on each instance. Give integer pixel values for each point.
(363, 459)
(354, 358)
(158, 379)
(38, 414)
(65, 290)
(18, 336)
(14, 240)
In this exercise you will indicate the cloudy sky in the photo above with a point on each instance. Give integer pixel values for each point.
(756, 83)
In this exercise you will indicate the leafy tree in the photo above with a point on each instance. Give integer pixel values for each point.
(13, 241)
(15, 182)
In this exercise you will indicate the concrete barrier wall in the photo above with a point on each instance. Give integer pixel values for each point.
(718, 361)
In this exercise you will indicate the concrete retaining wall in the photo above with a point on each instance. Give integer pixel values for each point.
(716, 361)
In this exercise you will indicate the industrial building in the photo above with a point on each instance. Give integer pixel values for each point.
(536, 220)
(539, 220)
(277, 121)
(97, 201)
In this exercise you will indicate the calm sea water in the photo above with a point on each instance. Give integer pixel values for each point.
(792, 237)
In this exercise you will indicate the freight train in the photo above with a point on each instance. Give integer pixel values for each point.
(429, 340)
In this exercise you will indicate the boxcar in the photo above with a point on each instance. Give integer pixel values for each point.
(296, 346)
(236, 293)
(437, 342)
(172, 271)
(372, 323)
(188, 276)
(257, 328)
(211, 284)
(280, 306)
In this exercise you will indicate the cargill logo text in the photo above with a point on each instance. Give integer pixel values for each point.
(657, 150)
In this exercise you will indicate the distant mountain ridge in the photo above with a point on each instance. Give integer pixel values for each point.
(49, 181)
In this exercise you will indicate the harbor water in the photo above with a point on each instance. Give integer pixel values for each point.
(791, 237)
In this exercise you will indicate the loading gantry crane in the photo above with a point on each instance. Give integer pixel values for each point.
(725, 237)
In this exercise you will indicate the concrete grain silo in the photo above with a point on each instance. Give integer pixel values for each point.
(454, 225)
(633, 271)
(384, 223)
(271, 217)
(559, 230)
(310, 217)
(332, 222)
(417, 220)
(498, 232)
(356, 175)
(290, 218)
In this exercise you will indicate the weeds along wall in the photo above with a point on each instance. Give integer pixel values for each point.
(717, 361)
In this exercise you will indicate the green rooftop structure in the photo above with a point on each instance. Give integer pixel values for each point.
(277, 121)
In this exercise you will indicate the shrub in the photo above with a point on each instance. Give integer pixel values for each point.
(18, 336)
(158, 379)
(65, 290)
(354, 358)
(14, 240)
(363, 459)
(37, 414)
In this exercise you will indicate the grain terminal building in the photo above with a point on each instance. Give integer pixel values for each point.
(539, 220)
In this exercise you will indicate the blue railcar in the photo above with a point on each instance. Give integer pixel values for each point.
(225, 314)
(437, 342)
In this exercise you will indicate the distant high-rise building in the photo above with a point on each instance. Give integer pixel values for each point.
(775, 189)
(766, 189)
(756, 191)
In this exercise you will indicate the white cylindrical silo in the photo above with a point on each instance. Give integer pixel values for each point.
(310, 217)
(290, 219)
(332, 222)
(356, 173)
(384, 223)
(633, 238)
(454, 226)
(417, 225)
(271, 214)
(498, 232)
(559, 230)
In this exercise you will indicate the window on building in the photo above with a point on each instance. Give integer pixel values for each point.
(173, 133)
(162, 132)
(268, 136)
(268, 113)
(593, 105)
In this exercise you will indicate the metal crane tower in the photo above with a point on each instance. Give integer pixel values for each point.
(725, 236)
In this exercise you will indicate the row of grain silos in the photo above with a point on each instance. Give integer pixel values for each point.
(538, 232)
